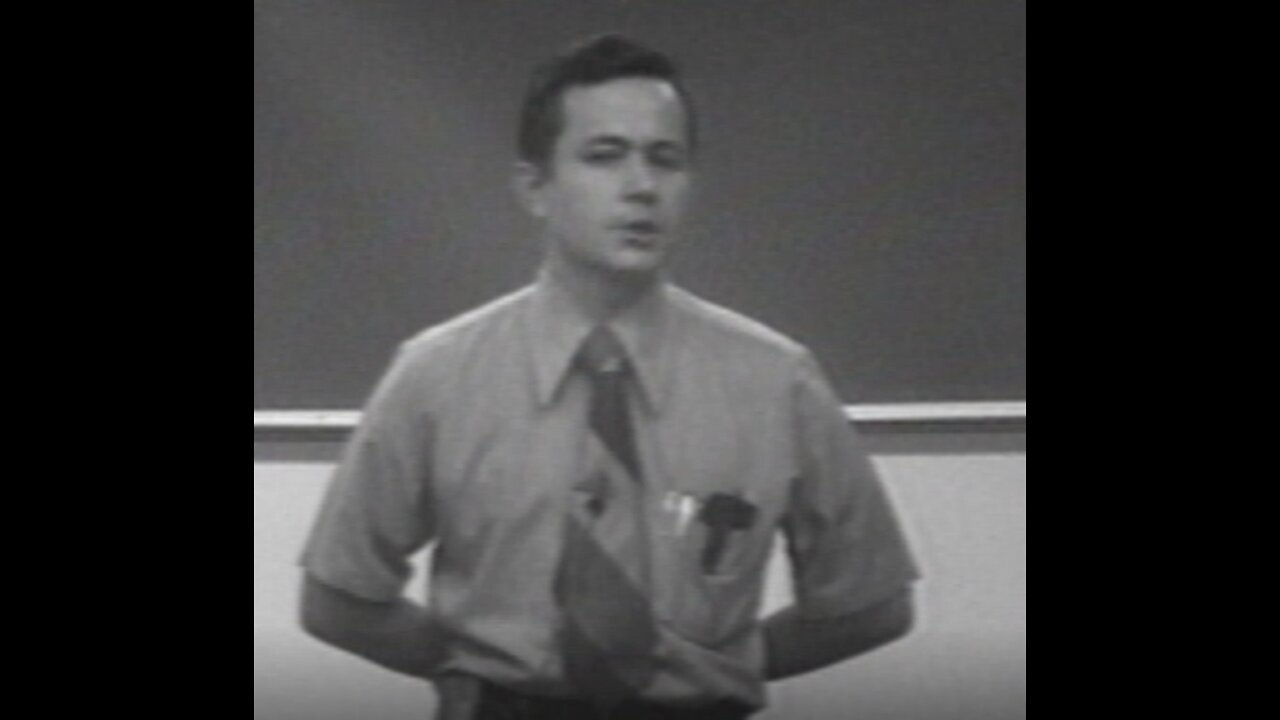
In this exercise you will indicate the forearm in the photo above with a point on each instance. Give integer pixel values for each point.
(400, 636)
(796, 645)
(399, 639)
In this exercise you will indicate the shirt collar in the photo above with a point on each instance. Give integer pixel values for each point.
(557, 327)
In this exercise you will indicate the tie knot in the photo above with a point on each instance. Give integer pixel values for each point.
(602, 352)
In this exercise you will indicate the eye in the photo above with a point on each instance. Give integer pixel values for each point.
(669, 158)
(603, 154)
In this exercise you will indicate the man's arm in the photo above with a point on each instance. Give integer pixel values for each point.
(851, 566)
(399, 636)
(795, 645)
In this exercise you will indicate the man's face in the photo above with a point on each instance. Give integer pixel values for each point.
(613, 194)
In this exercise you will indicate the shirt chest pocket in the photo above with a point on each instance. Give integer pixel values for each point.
(716, 526)
(716, 548)
(714, 535)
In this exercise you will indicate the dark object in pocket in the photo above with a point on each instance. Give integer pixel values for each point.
(723, 514)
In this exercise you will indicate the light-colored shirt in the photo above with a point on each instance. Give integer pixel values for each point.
(472, 441)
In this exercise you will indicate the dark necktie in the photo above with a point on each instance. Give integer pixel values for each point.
(609, 634)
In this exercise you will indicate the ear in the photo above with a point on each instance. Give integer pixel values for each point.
(527, 181)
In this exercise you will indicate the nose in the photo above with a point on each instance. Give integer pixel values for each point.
(640, 182)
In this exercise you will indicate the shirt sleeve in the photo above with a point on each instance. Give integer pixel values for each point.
(846, 547)
(377, 513)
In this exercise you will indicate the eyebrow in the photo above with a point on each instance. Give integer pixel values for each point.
(607, 140)
(620, 141)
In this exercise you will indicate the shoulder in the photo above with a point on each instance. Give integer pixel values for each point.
(441, 350)
(731, 331)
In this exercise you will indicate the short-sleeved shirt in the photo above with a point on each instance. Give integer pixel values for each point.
(473, 441)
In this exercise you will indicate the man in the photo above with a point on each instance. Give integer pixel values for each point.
(603, 460)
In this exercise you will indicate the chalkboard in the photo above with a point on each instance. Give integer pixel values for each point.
(861, 181)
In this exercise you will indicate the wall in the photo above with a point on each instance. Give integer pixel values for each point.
(868, 156)
(962, 497)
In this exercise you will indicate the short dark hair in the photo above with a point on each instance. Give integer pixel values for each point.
(591, 62)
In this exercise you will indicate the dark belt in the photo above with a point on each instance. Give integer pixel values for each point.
(499, 703)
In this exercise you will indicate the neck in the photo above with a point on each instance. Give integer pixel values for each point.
(600, 294)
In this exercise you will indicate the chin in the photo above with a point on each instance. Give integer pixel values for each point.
(638, 267)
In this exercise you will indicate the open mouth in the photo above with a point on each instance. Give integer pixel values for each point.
(642, 242)
(642, 228)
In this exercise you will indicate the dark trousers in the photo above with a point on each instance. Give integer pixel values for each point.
(498, 703)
